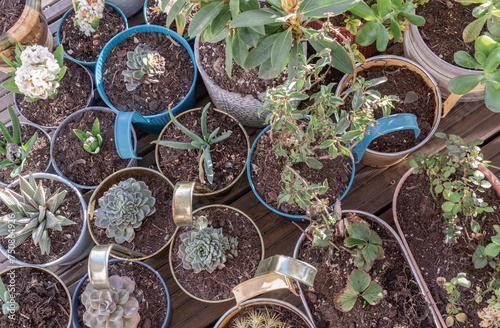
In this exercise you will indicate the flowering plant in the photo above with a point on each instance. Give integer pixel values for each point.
(37, 72)
(88, 13)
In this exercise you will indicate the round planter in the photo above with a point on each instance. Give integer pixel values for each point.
(495, 182)
(46, 271)
(290, 217)
(379, 159)
(404, 251)
(82, 245)
(216, 194)
(89, 103)
(89, 64)
(145, 14)
(128, 7)
(154, 123)
(74, 117)
(116, 177)
(4, 184)
(416, 49)
(76, 294)
(31, 28)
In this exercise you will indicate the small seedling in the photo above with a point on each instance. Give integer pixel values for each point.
(92, 141)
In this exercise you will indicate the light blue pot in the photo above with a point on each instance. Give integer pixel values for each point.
(89, 65)
(152, 124)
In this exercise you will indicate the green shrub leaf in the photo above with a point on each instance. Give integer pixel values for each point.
(463, 84)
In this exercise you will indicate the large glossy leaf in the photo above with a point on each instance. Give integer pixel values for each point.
(384, 7)
(319, 8)
(364, 11)
(254, 18)
(220, 21)
(396, 29)
(266, 70)
(492, 97)
(367, 34)
(240, 50)
(463, 59)
(204, 17)
(248, 35)
(261, 52)
(492, 61)
(281, 50)
(463, 84)
(382, 37)
(174, 11)
(414, 19)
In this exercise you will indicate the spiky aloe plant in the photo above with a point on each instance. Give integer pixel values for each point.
(206, 248)
(204, 142)
(33, 213)
(92, 141)
(14, 149)
(111, 308)
(254, 319)
(144, 64)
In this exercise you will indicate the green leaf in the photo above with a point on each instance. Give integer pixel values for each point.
(351, 135)
(209, 168)
(254, 18)
(496, 240)
(351, 242)
(474, 226)
(31, 142)
(16, 127)
(6, 133)
(359, 231)
(313, 163)
(492, 98)
(367, 34)
(485, 45)
(372, 252)
(174, 144)
(321, 237)
(364, 11)
(80, 134)
(293, 61)
(204, 17)
(455, 197)
(492, 61)
(384, 7)
(234, 6)
(414, 19)
(220, 21)
(374, 238)
(357, 100)
(239, 50)
(5, 163)
(447, 206)
(261, 52)
(340, 57)
(382, 37)
(248, 35)
(345, 300)
(59, 55)
(463, 84)
(373, 293)
(222, 137)
(96, 127)
(11, 86)
(174, 11)
(358, 281)
(229, 54)
(472, 31)
(281, 50)
(396, 29)
(463, 59)
(318, 8)
(266, 71)
(492, 250)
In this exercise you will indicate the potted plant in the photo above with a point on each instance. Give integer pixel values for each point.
(215, 248)
(140, 64)
(120, 293)
(34, 297)
(86, 28)
(132, 208)
(44, 222)
(24, 23)
(23, 149)
(83, 147)
(46, 90)
(128, 7)
(195, 150)
(459, 227)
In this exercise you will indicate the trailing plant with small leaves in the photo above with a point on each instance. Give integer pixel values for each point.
(487, 12)
(203, 142)
(88, 14)
(144, 66)
(115, 307)
(455, 177)
(486, 255)
(486, 58)
(206, 248)
(361, 285)
(123, 208)
(13, 147)
(92, 141)
(9, 305)
(33, 213)
(453, 307)
(367, 244)
(254, 319)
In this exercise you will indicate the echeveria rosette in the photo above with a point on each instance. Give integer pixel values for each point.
(144, 65)
(123, 208)
(486, 58)
(111, 308)
(205, 248)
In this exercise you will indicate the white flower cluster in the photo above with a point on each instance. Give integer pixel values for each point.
(169, 5)
(86, 12)
(36, 77)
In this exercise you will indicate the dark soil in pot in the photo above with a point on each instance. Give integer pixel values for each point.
(74, 94)
(149, 99)
(246, 82)
(267, 168)
(228, 156)
(153, 304)
(290, 318)
(60, 241)
(87, 48)
(420, 218)
(160, 18)
(43, 301)
(157, 228)
(402, 305)
(11, 11)
(400, 81)
(76, 163)
(442, 31)
(218, 285)
(38, 159)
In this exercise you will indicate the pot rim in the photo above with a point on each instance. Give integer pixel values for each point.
(406, 254)
(93, 201)
(215, 192)
(81, 237)
(35, 5)
(172, 247)
(75, 301)
(73, 117)
(286, 216)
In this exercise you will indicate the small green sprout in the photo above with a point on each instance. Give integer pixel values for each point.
(359, 284)
(92, 141)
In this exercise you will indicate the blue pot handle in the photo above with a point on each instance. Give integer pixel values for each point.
(123, 133)
(385, 125)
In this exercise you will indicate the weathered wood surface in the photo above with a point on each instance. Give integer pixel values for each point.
(372, 191)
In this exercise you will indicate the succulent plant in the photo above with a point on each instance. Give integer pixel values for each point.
(9, 305)
(111, 308)
(92, 141)
(123, 208)
(254, 319)
(205, 248)
(33, 213)
(144, 65)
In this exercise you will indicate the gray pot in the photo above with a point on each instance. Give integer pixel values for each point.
(403, 250)
(129, 7)
(83, 244)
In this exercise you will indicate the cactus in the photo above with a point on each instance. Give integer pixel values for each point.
(33, 213)
(144, 64)
(113, 307)
(254, 319)
(92, 141)
(205, 248)
(123, 208)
